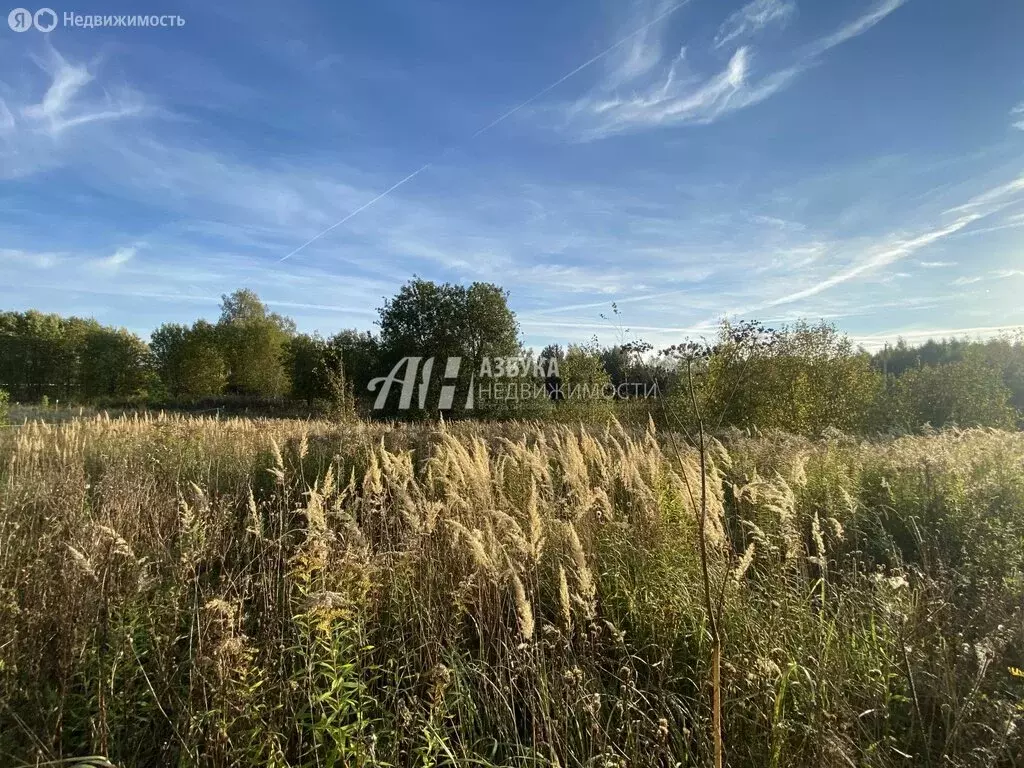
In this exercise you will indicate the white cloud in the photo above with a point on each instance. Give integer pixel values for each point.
(894, 249)
(778, 223)
(34, 134)
(967, 280)
(857, 27)
(63, 105)
(995, 274)
(1017, 112)
(641, 53)
(883, 255)
(230, 215)
(936, 264)
(7, 124)
(680, 98)
(645, 89)
(117, 259)
(754, 17)
(31, 259)
(988, 197)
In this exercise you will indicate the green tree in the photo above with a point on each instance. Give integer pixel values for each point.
(583, 365)
(361, 353)
(70, 358)
(38, 356)
(966, 393)
(491, 328)
(584, 388)
(553, 352)
(114, 364)
(190, 360)
(815, 380)
(427, 319)
(801, 378)
(424, 319)
(306, 358)
(252, 341)
(1004, 353)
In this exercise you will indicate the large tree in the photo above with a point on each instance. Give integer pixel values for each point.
(253, 341)
(38, 356)
(115, 364)
(430, 319)
(305, 357)
(317, 366)
(427, 319)
(190, 360)
(360, 354)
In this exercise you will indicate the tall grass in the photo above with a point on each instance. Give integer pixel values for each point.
(179, 591)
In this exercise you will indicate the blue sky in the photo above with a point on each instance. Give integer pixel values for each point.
(859, 160)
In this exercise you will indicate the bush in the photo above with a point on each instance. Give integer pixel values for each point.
(4, 406)
(966, 394)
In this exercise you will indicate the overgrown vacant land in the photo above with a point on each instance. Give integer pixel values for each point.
(190, 592)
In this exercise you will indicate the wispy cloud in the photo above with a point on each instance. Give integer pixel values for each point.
(642, 52)
(1017, 113)
(64, 104)
(647, 89)
(7, 124)
(754, 17)
(680, 97)
(224, 215)
(856, 27)
(674, 240)
(31, 259)
(882, 256)
(995, 274)
(117, 259)
(967, 280)
(898, 248)
(778, 223)
(987, 198)
(33, 133)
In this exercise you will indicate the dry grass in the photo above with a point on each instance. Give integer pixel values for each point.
(202, 592)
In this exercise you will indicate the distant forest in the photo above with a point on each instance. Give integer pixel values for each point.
(804, 378)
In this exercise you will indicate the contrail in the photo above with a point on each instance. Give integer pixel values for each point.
(672, 9)
(358, 210)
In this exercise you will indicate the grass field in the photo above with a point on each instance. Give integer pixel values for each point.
(188, 591)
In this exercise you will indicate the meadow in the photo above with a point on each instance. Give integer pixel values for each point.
(194, 591)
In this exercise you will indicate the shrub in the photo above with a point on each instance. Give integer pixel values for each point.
(970, 393)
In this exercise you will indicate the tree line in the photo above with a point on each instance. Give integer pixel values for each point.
(803, 378)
